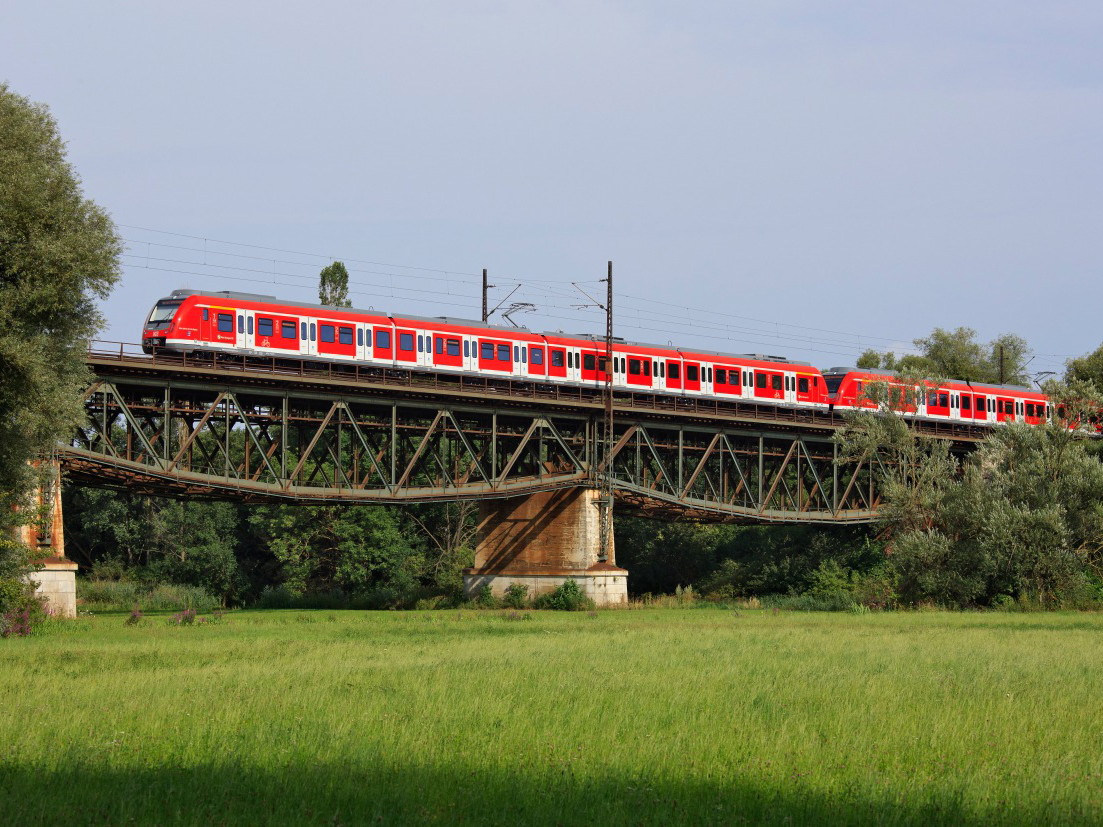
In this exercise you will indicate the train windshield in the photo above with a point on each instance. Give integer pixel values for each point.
(162, 313)
(833, 383)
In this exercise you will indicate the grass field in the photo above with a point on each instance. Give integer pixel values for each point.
(623, 717)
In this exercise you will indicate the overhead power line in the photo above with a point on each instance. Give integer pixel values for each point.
(556, 299)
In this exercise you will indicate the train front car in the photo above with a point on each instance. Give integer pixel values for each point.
(161, 323)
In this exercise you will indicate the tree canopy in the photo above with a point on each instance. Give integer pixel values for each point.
(59, 253)
(956, 354)
(333, 285)
(1088, 368)
(1019, 519)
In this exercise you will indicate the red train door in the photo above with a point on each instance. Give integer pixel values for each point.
(384, 346)
(692, 381)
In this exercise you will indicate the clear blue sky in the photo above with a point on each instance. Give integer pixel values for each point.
(800, 178)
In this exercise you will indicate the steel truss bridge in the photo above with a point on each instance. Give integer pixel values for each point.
(267, 430)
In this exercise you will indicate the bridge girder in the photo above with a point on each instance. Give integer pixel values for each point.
(232, 435)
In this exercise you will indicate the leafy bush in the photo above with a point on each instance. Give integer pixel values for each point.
(485, 598)
(516, 596)
(568, 597)
(23, 621)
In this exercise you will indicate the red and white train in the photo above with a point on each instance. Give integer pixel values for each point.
(242, 323)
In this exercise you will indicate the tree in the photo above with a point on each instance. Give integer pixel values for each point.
(59, 252)
(1088, 368)
(351, 549)
(333, 285)
(1021, 518)
(957, 354)
(874, 359)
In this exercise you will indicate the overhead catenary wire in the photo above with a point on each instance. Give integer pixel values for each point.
(638, 313)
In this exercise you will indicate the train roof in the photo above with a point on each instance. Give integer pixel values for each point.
(886, 372)
(760, 357)
(261, 297)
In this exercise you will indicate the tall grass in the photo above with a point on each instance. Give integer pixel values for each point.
(123, 595)
(671, 716)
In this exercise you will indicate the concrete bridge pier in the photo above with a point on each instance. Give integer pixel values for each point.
(56, 577)
(542, 540)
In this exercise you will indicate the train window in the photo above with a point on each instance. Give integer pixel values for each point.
(503, 353)
(601, 363)
(406, 342)
(537, 356)
(287, 330)
(721, 376)
(966, 404)
(710, 374)
(943, 400)
(759, 380)
(646, 367)
(516, 354)
(674, 370)
(359, 337)
(264, 327)
(466, 349)
(250, 325)
(225, 323)
(420, 343)
(328, 333)
(487, 351)
(1030, 409)
(383, 338)
(204, 314)
(240, 324)
(633, 367)
(453, 347)
(439, 345)
(662, 370)
(775, 382)
(557, 358)
(692, 374)
(302, 331)
(802, 385)
(344, 335)
(524, 355)
(588, 361)
(313, 331)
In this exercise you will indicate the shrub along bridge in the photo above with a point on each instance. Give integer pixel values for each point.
(262, 430)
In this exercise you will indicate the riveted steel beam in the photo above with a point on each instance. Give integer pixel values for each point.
(221, 435)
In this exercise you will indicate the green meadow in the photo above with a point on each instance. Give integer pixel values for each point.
(655, 716)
